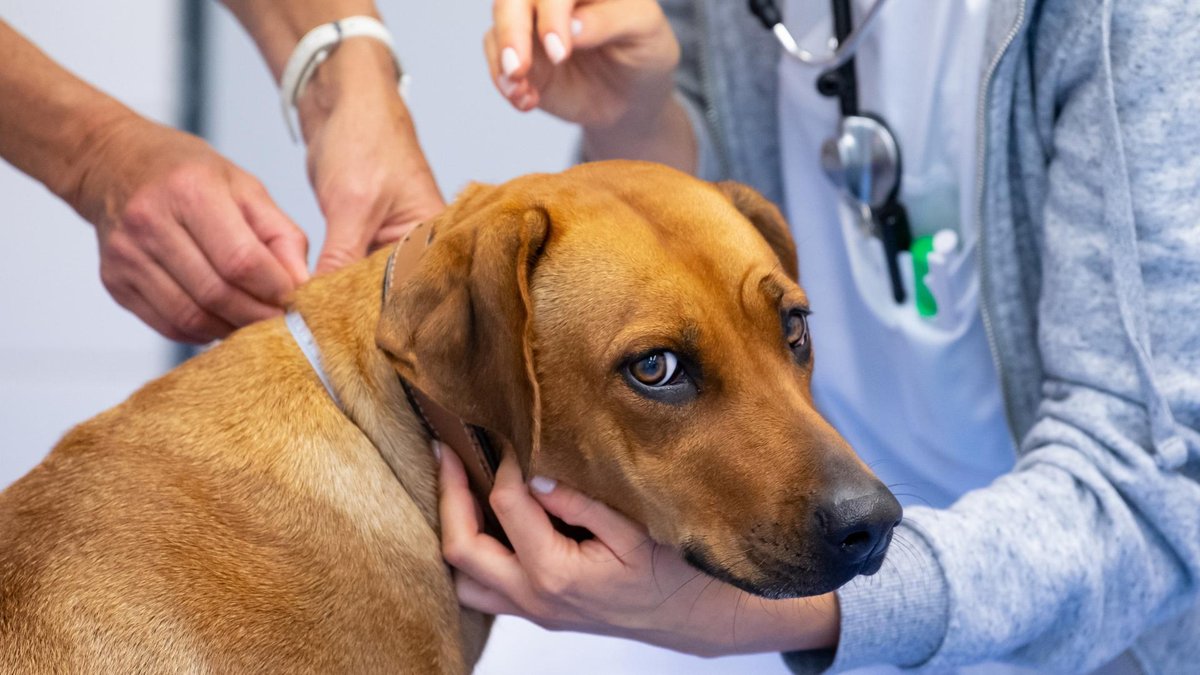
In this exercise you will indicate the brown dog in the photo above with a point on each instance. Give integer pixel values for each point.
(625, 328)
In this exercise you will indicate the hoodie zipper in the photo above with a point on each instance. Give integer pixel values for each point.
(706, 81)
(980, 170)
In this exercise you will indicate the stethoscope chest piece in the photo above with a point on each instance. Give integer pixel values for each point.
(863, 160)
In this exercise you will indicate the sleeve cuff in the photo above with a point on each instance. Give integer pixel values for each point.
(898, 616)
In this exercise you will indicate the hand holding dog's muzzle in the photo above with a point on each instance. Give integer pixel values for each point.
(618, 583)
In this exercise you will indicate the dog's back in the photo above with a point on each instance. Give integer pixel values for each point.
(224, 518)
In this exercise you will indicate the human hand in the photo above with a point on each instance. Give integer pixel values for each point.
(190, 243)
(364, 161)
(598, 63)
(620, 583)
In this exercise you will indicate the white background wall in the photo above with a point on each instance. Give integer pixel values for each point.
(67, 351)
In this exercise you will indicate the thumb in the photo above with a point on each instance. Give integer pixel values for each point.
(344, 244)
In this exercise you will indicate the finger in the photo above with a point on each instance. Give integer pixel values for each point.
(392, 231)
(283, 238)
(176, 253)
(528, 101)
(513, 89)
(136, 280)
(513, 26)
(475, 595)
(554, 28)
(533, 537)
(575, 508)
(344, 240)
(234, 250)
(132, 300)
(463, 544)
(597, 24)
(195, 323)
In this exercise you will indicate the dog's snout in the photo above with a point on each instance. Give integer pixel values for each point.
(858, 521)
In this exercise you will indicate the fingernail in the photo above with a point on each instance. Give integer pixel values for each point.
(576, 27)
(525, 101)
(509, 61)
(542, 485)
(437, 450)
(507, 86)
(554, 48)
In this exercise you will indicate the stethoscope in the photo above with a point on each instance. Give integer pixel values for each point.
(863, 159)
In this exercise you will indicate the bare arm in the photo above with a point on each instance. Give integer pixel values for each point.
(49, 119)
(188, 242)
(364, 160)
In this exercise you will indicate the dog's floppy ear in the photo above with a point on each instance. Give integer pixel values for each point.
(767, 219)
(458, 328)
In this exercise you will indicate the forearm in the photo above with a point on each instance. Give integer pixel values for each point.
(666, 137)
(50, 120)
(276, 27)
(361, 70)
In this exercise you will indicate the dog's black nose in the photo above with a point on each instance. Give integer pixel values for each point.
(857, 523)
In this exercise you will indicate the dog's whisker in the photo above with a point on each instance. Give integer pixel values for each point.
(696, 599)
(621, 556)
(654, 549)
(679, 588)
(737, 605)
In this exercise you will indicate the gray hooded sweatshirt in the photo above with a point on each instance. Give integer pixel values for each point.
(1089, 217)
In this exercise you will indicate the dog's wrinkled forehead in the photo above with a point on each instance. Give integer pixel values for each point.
(694, 247)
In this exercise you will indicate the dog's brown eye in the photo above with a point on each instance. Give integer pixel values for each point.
(655, 369)
(796, 330)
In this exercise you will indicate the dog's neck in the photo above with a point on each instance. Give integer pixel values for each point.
(370, 407)
(341, 311)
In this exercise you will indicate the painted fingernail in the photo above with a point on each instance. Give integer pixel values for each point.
(437, 450)
(526, 101)
(576, 27)
(542, 485)
(507, 86)
(509, 61)
(554, 48)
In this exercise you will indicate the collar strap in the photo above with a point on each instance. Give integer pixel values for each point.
(308, 344)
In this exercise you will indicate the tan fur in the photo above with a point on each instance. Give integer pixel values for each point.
(229, 518)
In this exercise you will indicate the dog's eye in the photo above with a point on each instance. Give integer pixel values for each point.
(655, 369)
(795, 331)
(661, 375)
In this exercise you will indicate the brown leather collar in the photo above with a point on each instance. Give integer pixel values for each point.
(477, 452)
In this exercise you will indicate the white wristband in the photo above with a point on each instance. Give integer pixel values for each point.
(316, 46)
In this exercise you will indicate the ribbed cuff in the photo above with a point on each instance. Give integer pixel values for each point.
(898, 616)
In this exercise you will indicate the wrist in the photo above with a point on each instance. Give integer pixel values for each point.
(660, 131)
(724, 620)
(360, 72)
(795, 624)
(91, 142)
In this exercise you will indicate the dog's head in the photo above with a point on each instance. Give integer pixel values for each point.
(639, 334)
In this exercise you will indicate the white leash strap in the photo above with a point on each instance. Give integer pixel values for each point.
(308, 344)
(316, 46)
